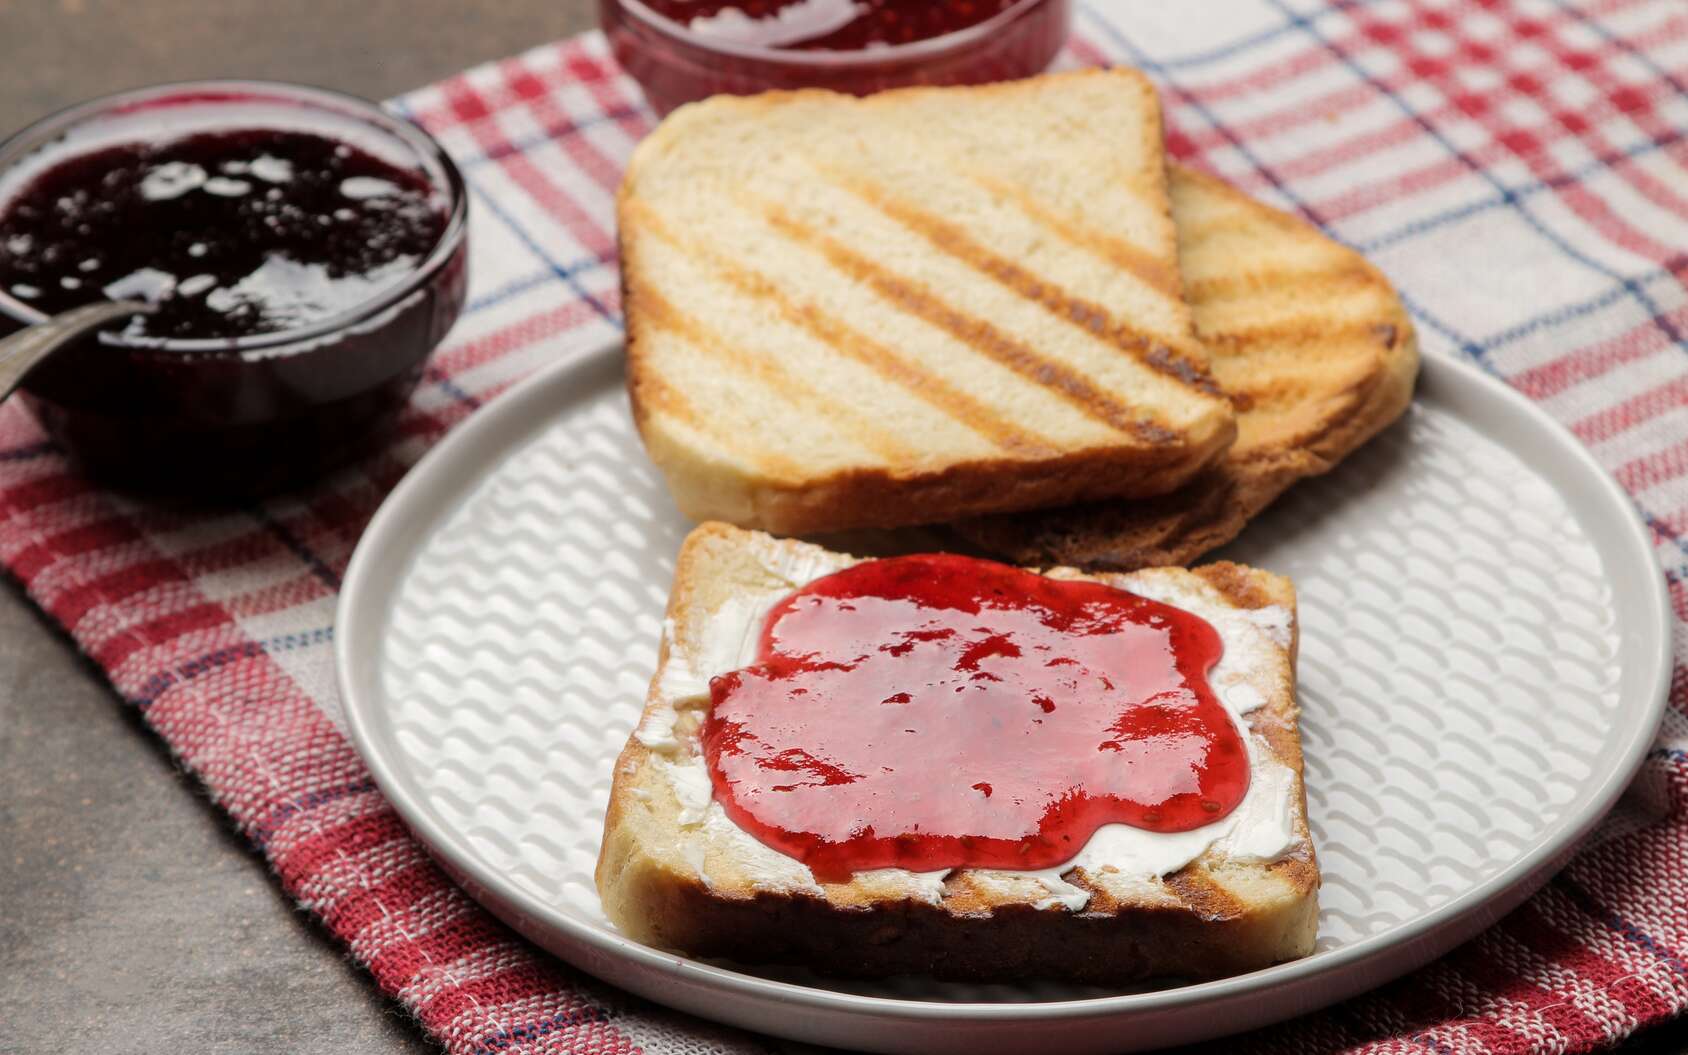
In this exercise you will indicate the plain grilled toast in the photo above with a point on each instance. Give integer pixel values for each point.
(924, 305)
(675, 873)
(1312, 345)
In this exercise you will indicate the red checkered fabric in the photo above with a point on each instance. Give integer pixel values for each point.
(1518, 167)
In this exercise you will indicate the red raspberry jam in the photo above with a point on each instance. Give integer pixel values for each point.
(827, 25)
(231, 233)
(936, 711)
(683, 50)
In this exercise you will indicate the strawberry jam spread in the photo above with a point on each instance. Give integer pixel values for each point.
(828, 25)
(937, 711)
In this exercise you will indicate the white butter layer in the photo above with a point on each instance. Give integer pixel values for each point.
(1117, 857)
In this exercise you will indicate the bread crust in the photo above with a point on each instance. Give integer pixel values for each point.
(1300, 440)
(788, 496)
(871, 497)
(1212, 918)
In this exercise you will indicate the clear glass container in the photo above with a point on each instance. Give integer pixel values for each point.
(247, 415)
(676, 65)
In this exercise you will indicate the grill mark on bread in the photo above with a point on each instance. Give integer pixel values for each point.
(915, 299)
(663, 315)
(1297, 872)
(1300, 331)
(1240, 218)
(1241, 587)
(1151, 351)
(1246, 285)
(657, 394)
(1122, 254)
(928, 387)
(1337, 405)
(1205, 895)
(847, 341)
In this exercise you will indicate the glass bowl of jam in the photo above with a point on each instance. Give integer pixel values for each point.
(304, 252)
(683, 50)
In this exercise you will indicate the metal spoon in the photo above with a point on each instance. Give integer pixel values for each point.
(22, 350)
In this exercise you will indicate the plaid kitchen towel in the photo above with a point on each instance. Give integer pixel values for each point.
(1518, 167)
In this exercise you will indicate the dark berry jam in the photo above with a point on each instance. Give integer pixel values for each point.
(306, 250)
(230, 233)
(936, 711)
(828, 25)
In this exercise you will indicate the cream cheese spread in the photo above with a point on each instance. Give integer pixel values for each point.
(1117, 857)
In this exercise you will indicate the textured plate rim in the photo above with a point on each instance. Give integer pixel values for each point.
(522, 410)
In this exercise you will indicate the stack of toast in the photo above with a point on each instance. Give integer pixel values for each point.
(1000, 311)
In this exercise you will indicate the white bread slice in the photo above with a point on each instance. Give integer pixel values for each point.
(1309, 340)
(675, 873)
(914, 307)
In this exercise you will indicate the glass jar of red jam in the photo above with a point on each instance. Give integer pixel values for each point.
(304, 252)
(683, 50)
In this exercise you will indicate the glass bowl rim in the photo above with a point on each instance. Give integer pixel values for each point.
(42, 132)
(885, 55)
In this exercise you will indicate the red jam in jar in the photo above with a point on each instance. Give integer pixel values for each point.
(230, 233)
(683, 50)
(937, 711)
(829, 25)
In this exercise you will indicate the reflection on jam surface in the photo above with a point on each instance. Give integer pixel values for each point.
(231, 233)
(829, 25)
(937, 711)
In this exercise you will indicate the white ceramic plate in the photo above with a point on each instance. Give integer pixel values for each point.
(1484, 660)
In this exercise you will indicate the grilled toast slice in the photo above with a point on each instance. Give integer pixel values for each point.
(919, 306)
(676, 873)
(1308, 339)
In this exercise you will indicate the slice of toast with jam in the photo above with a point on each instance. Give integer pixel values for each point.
(1170, 894)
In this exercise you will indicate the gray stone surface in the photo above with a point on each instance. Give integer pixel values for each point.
(57, 52)
(132, 919)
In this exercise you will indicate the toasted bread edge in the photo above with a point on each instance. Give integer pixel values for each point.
(784, 500)
(1203, 932)
(1215, 506)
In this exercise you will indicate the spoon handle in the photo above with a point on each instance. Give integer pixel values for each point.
(22, 350)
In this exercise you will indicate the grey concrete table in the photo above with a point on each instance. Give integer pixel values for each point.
(132, 918)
